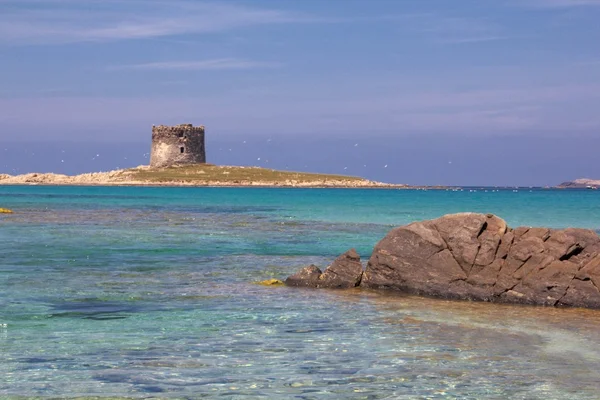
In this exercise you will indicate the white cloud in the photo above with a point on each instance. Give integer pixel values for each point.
(215, 64)
(68, 21)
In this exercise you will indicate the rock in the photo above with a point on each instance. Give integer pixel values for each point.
(345, 272)
(547, 285)
(417, 259)
(460, 232)
(5, 211)
(306, 277)
(478, 257)
(475, 257)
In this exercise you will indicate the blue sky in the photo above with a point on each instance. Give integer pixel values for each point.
(447, 79)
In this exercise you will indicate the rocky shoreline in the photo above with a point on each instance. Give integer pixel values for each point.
(476, 257)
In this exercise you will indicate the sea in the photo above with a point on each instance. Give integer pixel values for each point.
(150, 293)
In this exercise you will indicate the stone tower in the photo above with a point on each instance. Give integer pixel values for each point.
(180, 144)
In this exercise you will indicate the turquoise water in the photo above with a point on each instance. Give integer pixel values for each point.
(148, 293)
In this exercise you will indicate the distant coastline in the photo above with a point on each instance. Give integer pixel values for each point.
(582, 183)
(200, 175)
(203, 175)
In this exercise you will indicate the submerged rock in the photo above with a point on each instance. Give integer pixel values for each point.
(5, 211)
(345, 272)
(478, 257)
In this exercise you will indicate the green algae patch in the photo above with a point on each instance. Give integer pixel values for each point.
(5, 211)
(270, 282)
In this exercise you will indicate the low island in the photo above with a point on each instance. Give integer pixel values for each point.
(197, 175)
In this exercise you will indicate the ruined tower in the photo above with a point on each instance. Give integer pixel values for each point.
(179, 144)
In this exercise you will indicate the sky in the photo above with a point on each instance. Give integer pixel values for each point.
(451, 92)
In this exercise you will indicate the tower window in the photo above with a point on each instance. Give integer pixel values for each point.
(182, 150)
(180, 134)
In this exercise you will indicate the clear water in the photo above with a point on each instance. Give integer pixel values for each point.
(149, 293)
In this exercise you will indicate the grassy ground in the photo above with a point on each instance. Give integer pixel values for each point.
(229, 174)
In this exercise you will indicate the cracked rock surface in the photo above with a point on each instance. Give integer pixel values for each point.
(478, 257)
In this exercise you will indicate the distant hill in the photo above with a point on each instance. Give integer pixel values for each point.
(581, 184)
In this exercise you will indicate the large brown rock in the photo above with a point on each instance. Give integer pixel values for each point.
(345, 272)
(478, 257)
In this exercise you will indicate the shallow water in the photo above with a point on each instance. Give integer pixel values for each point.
(148, 293)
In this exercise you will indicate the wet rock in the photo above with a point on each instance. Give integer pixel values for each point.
(345, 272)
(306, 277)
(478, 257)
